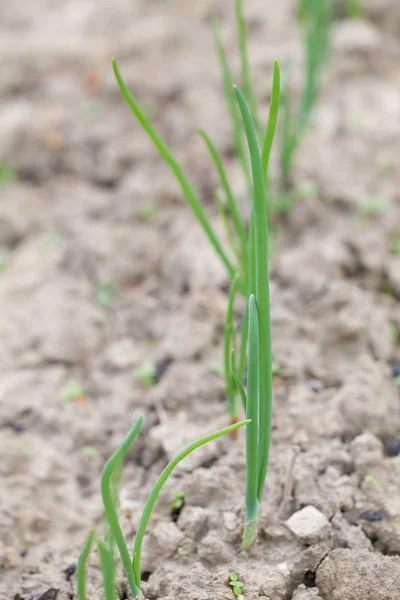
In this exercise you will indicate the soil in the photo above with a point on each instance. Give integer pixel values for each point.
(107, 269)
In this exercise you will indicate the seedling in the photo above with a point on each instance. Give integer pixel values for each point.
(236, 584)
(90, 451)
(315, 17)
(146, 373)
(109, 484)
(106, 293)
(395, 246)
(370, 206)
(371, 479)
(72, 390)
(177, 504)
(394, 332)
(397, 380)
(178, 501)
(147, 211)
(7, 174)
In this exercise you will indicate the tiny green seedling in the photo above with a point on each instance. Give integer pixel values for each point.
(397, 380)
(178, 501)
(7, 174)
(394, 332)
(90, 451)
(276, 369)
(371, 206)
(106, 293)
(72, 390)
(395, 246)
(371, 479)
(146, 373)
(147, 211)
(236, 584)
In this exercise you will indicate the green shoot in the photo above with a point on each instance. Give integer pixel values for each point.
(109, 490)
(371, 206)
(178, 501)
(172, 162)
(146, 373)
(7, 174)
(106, 293)
(72, 390)
(394, 332)
(147, 211)
(244, 63)
(107, 566)
(151, 500)
(275, 368)
(236, 584)
(371, 479)
(397, 380)
(232, 105)
(395, 246)
(260, 364)
(90, 451)
(81, 566)
(316, 17)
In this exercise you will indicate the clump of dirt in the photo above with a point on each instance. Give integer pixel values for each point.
(104, 269)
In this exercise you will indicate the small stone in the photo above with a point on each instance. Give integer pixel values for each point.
(395, 369)
(393, 446)
(11, 558)
(230, 520)
(309, 524)
(371, 515)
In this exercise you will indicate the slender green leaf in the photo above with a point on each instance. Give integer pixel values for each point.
(107, 492)
(107, 570)
(81, 566)
(228, 328)
(230, 198)
(272, 119)
(244, 61)
(172, 162)
(237, 130)
(262, 290)
(151, 500)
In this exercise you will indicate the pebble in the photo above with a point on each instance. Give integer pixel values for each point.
(371, 515)
(308, 524)
(393, 446)
(395, 369)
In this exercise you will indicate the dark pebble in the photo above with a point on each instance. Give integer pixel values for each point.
(393, 446)
(69, 571)
(371, 515)
(161, 367)
(16, 427)
(395, 369)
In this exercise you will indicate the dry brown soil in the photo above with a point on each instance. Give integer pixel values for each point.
(75, 225)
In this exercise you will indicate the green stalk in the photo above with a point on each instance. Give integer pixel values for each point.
(107, 492)
(272, 119)
(228, 330)
(252, 429)
(81, 566)
(151, 500)
(262, 291)
(232, 105)
(107, 570)
(172, 162)
(244, 61)
(232, 204)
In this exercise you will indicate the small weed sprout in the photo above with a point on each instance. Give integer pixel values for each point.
(73, 390)
(178, 501)
(236, 584)
(146, 373)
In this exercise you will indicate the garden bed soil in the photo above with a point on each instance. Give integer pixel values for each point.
(107, 269)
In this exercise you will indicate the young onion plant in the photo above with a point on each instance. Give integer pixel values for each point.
(109, 488)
